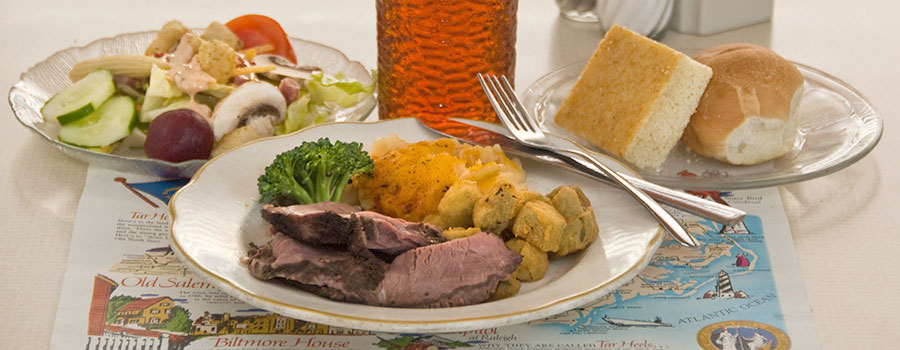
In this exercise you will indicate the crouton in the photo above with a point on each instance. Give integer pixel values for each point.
(166, 39)
(457, 204)
(218, 31)
(217, 59)
(541, 225)
(195, 40)
(534, 261)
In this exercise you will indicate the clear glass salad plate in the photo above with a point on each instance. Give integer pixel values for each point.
(217, 215)
(50, 76)
(837, 127)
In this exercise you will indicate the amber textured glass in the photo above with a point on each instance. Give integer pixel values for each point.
(430, 50)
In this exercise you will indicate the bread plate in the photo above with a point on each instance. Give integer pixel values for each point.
(837, 127)
(50, 76)
(216, 216)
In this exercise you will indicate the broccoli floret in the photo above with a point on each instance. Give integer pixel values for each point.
(313, 172)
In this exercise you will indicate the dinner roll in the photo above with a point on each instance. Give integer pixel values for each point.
(748, 113)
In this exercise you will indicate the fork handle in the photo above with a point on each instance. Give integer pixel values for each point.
(687, 202)
(677, 199)
(665, 219)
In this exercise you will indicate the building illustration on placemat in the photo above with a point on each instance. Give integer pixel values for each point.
(156, 322)
(416, 342)
(111, 327)
(724, 289)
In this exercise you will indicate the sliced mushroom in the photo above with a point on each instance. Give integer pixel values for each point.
(283, 67)
(249, 101)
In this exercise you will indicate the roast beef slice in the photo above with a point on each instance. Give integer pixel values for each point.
(329, 223)
(459, 272)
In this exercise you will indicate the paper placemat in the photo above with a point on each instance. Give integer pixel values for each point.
(125, 289)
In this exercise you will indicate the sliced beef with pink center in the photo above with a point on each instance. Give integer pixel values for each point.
(460, 272)
(329, 223)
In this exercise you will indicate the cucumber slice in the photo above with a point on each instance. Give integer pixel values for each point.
(80, 99)
(112, 122)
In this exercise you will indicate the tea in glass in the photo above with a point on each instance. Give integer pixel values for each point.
(429, 52)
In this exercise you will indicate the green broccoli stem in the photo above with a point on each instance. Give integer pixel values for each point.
(339, 187)
(300, 190)
(301, 195)
(323, 190)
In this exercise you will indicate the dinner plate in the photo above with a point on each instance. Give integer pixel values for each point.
(837, 127)
(40, 82)
(216, 216)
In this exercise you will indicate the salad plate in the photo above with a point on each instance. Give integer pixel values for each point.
(40, 82)
(837, 127)
(216, 217)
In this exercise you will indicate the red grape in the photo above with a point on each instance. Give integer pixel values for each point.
(179, 135)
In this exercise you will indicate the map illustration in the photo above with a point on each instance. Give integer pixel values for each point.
(727, 277)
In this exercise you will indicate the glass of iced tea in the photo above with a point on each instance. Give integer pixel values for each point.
(430, 50)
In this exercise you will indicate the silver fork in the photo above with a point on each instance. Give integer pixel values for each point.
(513, 115)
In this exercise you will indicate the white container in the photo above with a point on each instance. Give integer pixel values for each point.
(646, 17)
(705, 17)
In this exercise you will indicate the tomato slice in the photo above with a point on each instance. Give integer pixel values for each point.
(258, 30)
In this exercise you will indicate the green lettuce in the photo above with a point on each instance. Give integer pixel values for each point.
(320, 96)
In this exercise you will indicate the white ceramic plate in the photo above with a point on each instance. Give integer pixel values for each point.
(50, 76)
(216, 216)
(838, 126)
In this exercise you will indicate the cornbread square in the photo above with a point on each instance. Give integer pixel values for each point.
(634, 97)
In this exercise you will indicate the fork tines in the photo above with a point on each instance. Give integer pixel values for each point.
(508, 107)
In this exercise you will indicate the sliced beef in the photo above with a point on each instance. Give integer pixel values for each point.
(318, 223)
(329, 223)
(460, 272)
(333, 273)
(455, 273)
(392, 235)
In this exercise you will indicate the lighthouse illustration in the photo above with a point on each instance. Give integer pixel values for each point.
(724, 289)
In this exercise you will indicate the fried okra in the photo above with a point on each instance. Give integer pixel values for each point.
(541, 225)
(456, 207)
(494, 212)
(529, 195)
(506, 289)
(534, 261)
(581, 226)
(459, 232)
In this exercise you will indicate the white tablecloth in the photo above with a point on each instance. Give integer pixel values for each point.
(844, 225)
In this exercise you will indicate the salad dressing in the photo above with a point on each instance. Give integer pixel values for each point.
(189, 77)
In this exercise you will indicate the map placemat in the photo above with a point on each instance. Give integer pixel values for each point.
(741, 289)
